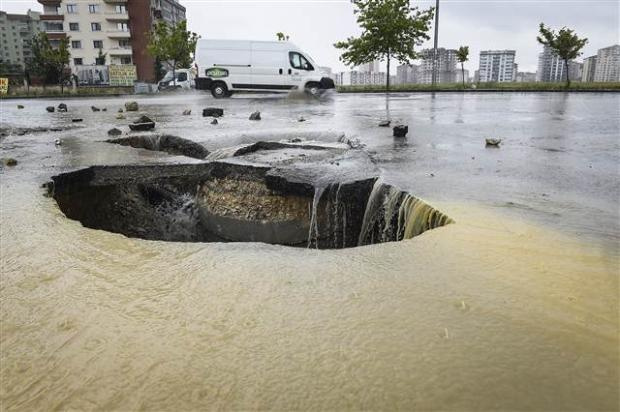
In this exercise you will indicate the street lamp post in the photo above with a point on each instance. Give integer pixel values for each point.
(434, 81)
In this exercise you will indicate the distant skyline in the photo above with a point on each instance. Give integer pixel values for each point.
(314, 25)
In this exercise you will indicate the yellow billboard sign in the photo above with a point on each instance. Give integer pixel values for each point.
(4, 85)
(122, 75)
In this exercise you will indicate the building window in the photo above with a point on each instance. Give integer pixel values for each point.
(52, 26)
(95, 26)
(125, 60)
(76, 44)
(72, 8)
(120, 9)
(124, 44)
(98, 44)
(122, 26)
(77, 61)
(93, 8)
(74, 26)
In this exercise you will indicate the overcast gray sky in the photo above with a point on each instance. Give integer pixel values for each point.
(314, 25)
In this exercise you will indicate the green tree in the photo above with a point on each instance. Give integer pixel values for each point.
(390, 29)
(565, 43)
(173, 44)
(462, 55)
(48, 61)
(281, 36)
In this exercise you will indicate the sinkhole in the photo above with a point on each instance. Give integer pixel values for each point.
(286, 194)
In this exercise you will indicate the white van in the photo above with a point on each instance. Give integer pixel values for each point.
(228, 66)
(184, 80)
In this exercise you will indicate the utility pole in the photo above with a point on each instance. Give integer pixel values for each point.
(434, 81)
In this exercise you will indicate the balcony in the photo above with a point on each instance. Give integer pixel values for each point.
(56, 35)
(117, 16)
(49, 2)
(118, 34)
(121, 51)
(116, 1)
(48, 17)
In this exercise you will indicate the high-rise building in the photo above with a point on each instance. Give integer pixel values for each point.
(462, 74)
(115, 28)
(589, 67)
(16, 33)
(497, 66)
(371, 67)
(551, 68)
(407, 74)
(357, 78)
(525, 77)
(446, 66)
(608, 64)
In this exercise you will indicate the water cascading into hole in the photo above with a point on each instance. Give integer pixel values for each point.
(314, 222)
(394, 215)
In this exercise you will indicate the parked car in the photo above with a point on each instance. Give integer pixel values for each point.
(184, 80)
(229, 66)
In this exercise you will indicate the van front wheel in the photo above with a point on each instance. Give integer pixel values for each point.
(219, 90)
(313, 88)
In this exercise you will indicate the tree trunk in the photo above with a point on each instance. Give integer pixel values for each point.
(463, 74)
(387, 80)
(60, 80)
(174, 76)
(567, 73)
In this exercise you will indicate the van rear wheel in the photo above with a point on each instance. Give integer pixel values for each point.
(219, 90)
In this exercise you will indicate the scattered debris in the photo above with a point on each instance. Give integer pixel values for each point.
(120, 110)
(50, 109)
(400, 130)
(187, 112)
(301, 119)
(114, 132)
(214, 121)
(120, 116)
(9, 161)
(385, 123)
(104, 109)
(143, 123)
(493, 142)
(212, 112)
(77, 120)
(255, 116)
(57, 142)
(164, 143)
(95, 109)
(131, 106)
(62, 107)
(19, 106)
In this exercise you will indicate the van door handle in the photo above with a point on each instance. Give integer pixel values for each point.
(280, 71)
(290, 71)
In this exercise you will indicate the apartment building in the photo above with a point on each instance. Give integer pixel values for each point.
(551, 68)
(497, 66)
(116, 29)
(16, 33)
(608, 64)
(407, 74)
(589, 68)
(357, 78)
(446, 66)
(372, 67)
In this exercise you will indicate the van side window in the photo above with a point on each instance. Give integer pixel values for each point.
(299, 62)
(182, 77)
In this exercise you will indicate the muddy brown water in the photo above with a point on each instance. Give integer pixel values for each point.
(515, 306)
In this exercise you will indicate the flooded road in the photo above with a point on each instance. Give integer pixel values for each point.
(513, 307)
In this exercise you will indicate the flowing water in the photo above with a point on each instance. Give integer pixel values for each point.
(514, 306)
